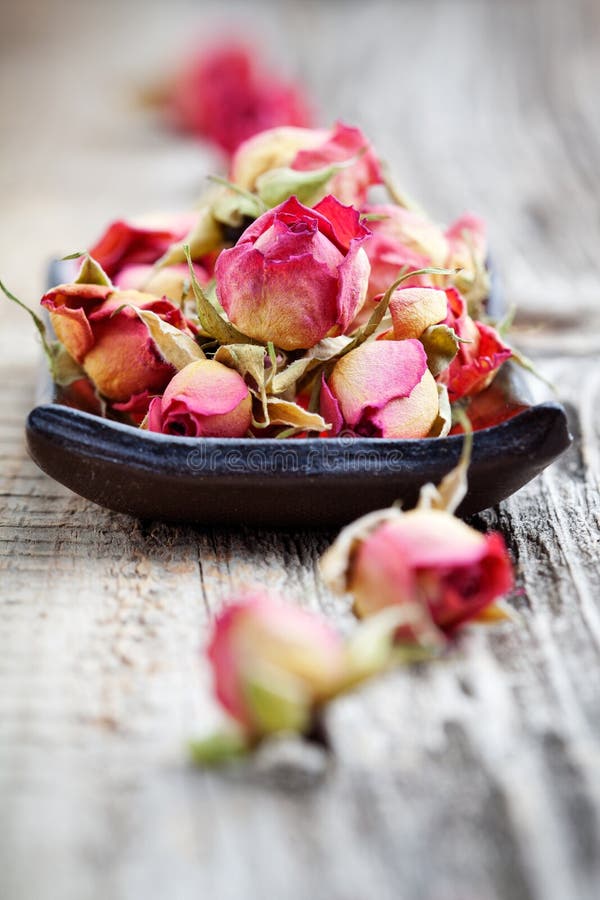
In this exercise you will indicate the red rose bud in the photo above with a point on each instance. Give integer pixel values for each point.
(305, 150)
(382, 389)
(225, 95)
(101, 332)
(205, 399)
(296, 274)
(272, 662)
(430, 557)
(132, 243)
(478, 358)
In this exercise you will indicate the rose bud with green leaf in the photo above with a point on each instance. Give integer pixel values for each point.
(204, 399)
(105, 332)
(305, 150)
(296, 275)
(381, 389)
(480, 354)
(272, 662)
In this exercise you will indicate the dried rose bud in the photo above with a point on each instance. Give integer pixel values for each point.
(479, 356)
(415, 309)
(424, 558)
(224, 94)
(205, 399)
(431, 556)
(170, 282)
(305, 150)
(102, 331)
(401, 238)
(382, 389)
(272, 662)
(139, 243)
(296, 274)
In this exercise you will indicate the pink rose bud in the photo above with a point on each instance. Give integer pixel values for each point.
(429, 557)
(305, 150)
(401, 238)
(382, 389)
(296, 274)
(102, 333)
(205, 399)
(415, 309)
(226, 95)
(478, 358)
(131, 243)
(169, 282)
(272, 662)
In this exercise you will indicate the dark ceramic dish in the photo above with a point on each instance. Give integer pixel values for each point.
(310, 482)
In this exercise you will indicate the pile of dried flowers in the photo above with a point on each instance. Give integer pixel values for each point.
(286, 305)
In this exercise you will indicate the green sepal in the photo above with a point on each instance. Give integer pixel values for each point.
(239, 204)
(441, 346)
(277, 700)
(219, 748)
(91, 272)
(63, 368)
(211, 321)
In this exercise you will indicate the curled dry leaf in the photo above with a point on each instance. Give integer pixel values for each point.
(442, 425)
(247, 360)
(325, 350)
(284, 412)
(176, 348)
(212, 321)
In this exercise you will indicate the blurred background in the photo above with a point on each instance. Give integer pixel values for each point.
(477, 105)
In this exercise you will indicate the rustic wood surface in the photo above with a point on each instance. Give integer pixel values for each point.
(473, 779)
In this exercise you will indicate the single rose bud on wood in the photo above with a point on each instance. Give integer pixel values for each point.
(382, 389)
(296, 274)
(205, 399)
(424, 557)
(272, 662)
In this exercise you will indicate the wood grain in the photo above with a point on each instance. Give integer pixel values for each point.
(472, 779)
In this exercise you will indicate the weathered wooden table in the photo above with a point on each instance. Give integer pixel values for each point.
(473, 779)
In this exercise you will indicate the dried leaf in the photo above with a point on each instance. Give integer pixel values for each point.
(205, 236)
(246, 359)
(211, 320)
(176, 347)
(443, 423)
(276, 185)
(452, 489)
(64, 368)
(328, 348)
(91, 272)
(284, 412)
(335, 562)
